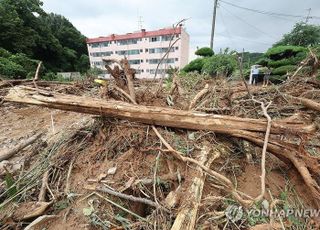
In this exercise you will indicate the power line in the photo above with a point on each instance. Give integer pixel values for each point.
(245, 39)
(245, 22)
(269, 12)
(225, 25)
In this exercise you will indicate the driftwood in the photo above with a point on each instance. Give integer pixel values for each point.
(20, 147)
(153, 115)
(187, 217)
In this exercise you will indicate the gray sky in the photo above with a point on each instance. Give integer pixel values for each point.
(235, 28)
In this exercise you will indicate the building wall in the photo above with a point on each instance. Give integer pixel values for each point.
(145, 55)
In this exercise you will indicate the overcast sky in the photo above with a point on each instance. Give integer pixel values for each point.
(235, 28)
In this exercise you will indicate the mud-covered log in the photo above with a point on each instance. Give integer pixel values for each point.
(151, 114)
(308, 103)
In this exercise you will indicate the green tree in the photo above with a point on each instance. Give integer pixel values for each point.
(220, 65)
(195, 65)
(302, 34)
(205, 52)
(26, 28)
(83, 63)
(16, 65)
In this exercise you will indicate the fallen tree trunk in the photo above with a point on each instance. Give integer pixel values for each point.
(187, 216)
(152, 115)
(9, 83)
(308, 103)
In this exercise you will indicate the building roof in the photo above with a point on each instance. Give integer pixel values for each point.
(141, 34)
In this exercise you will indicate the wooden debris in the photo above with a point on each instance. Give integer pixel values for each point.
(151, 114)
(30, 210)
(21, 146)
(40, 221)
(187, 216)
(199, 95)
(42, 194)
(129, 197)
(36, 76)
(308, 103)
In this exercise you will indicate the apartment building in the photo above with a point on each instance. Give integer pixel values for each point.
(144, 50)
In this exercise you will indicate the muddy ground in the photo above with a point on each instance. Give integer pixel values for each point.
(79, 156)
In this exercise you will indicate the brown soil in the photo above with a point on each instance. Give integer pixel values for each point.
(132, 149)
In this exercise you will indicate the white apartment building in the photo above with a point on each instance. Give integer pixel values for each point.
(143, 49)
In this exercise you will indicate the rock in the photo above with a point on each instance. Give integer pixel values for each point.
(112, 171)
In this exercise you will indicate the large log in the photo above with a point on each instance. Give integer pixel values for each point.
(150, 114)
(187, 216)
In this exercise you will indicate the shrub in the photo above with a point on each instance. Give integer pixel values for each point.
(29, 65)
(283, 70)
(195, 65)
(4, 53)
(220, 65)
(277, 79)
(205, 52)
(10, 69)
(286, 61)
(263, 61)
(281, 52)
(50, 76)
(94, 71)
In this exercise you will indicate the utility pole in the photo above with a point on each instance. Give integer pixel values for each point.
(308, 17)
(213, 22)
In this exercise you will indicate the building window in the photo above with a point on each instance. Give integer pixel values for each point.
(177, 59)
(159, 71)
(177, 48)
(134, 62)
(127, 42)
(146, 50)
(166, 38)
(141, 51)
(105, 44)
(95, 45)
(156, 61)
(154, 39)
(141, 61)
(98, 63)
(128, 52)
(160, 50)
(101, 54)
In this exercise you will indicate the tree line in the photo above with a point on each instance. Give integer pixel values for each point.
(282, 57)
(29, 34)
